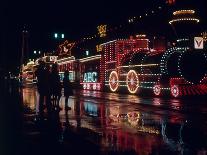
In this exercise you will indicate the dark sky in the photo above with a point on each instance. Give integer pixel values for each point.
(75, 18)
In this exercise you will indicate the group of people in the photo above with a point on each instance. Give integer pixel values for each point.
(50, 87)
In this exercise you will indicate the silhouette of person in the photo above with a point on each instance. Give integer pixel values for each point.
(41, 81)
(55, 86)
(67, 88)
(47, 89)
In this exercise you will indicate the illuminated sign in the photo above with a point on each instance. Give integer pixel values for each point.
(102, 30)
(90, 77)
(53, 58)
(71, 76)
(91, 86)
(99, 48)
(198, 42)
(66, 48)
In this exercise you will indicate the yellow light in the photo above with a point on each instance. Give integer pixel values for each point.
(184, 19)
(102, 30)
(179, 12)
(140, 35)
(148, 130)
(66, 60)
(90, 58)
(204, 35)
(99, 48)
(145, 65)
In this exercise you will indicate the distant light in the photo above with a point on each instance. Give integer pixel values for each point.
(39, 52)
(184, 19)
(35, 52)
(56, 35)
(87, 53)
(62, 36)
(179, 12)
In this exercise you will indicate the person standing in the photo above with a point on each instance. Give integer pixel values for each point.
(47, 89)
(41, 81)
(67, 88)
(55, 86)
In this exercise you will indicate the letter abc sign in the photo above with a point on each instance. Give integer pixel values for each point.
(90, 77)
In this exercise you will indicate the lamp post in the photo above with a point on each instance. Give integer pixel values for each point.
(36, 54)
(59, 36)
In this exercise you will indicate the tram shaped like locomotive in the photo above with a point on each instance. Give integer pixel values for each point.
(133, 64)
(141, 63)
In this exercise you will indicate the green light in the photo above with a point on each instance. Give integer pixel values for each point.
(56, 35)
(87, 53)
(62, 36)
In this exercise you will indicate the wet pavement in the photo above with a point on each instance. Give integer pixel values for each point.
(108, 123)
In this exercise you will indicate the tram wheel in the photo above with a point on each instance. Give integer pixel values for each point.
(132, 81)
(113, 81)
(175, 91)
(157, 90)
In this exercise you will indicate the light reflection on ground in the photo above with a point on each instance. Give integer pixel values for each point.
(117, 122)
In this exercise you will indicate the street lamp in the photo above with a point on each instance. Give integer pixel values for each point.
(56, 35)
(59, 36)
(62, 36)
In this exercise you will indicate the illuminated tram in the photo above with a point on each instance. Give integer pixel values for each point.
(141, 63)
(136, 65)
(132, 64)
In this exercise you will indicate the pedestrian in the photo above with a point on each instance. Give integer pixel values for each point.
(40, 73)
(55, 86)
(47, 89)
(67, 88)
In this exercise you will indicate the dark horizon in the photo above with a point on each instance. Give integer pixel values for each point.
(75, 19)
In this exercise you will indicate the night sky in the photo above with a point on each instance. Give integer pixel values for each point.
(76, 19)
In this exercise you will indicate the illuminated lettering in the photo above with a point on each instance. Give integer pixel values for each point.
(90, 77)
(94, 77)
(85, 77)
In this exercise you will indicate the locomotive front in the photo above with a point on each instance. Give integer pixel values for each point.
(185, 69)
(178, 71)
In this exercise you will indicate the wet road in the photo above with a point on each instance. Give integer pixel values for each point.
(131, 124)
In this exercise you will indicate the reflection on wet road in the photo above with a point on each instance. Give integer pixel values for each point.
(119, 123)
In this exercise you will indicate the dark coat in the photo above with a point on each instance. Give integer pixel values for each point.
(55, 84)
(42, 81)
(68, 91)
